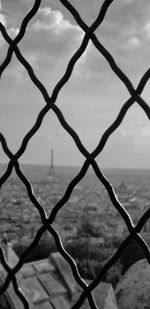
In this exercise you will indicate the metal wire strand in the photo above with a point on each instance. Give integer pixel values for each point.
(116, 69)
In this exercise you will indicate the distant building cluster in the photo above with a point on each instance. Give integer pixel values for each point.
(89, 201)
(87, 217)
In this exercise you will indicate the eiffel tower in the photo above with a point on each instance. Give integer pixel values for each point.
(51, 172)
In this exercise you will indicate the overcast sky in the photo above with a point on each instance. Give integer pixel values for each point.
(93, 96)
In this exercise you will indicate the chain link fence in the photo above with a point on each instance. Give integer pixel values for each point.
(47, 222)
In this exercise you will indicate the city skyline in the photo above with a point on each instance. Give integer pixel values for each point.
(92, 98)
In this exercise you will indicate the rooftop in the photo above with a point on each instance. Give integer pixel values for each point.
(48, 284)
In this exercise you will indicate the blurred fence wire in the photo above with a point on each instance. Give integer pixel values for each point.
(47, 222)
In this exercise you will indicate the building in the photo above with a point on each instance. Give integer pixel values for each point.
(50, 284)
(51, 172)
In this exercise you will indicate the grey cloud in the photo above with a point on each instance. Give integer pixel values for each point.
(53, 38)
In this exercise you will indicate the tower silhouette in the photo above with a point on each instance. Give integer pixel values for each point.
(51, 172)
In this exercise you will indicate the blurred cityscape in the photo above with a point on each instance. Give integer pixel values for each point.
(87, 216)
(90, 227)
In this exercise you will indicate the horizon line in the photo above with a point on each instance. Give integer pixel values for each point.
(80, 166)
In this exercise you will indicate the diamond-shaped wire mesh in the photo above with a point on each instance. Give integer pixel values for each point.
(135, 96)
